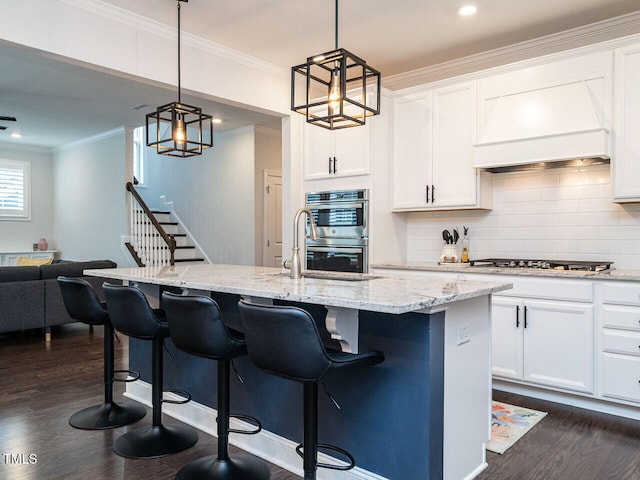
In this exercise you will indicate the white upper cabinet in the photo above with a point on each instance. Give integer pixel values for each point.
(625, 166)
(412, 152)
(432, 162)
(344, 152)
(336, 153)
(543, 113)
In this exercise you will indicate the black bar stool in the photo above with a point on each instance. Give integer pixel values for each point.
(132, 315)
(197, 327)
(82, 304)
(285, 341)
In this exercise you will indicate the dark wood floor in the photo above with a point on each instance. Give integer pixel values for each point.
(41, 385)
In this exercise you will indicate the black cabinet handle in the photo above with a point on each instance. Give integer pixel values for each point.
(335, 169)
(525, 316)
(330, 172)
(517, 316)
(433, 193)
(427, 197)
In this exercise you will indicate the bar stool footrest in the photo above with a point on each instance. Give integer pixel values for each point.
(349, 466)
(248, 419)
(130, 373)
(182, 393)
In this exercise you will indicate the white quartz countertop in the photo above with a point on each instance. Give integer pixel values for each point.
(380, 293)
(614, 274)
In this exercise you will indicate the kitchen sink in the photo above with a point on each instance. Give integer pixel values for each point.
(324, 275)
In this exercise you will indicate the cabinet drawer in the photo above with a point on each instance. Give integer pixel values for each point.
(545, 288)
(617, 341)
(621, 293)
(621, 377)
(621, 316)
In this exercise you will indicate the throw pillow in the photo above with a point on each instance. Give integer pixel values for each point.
(26, 261)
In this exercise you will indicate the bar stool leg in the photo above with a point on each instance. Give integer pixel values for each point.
(108, 414)
(156, 440)
(310, 445)
(223, 467)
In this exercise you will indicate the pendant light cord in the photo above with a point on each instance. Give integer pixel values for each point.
(336, 24)
(179, 97)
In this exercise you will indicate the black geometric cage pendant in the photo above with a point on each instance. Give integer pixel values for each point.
(336, 89)
(179, 130)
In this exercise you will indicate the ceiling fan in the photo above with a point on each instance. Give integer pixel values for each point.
(6, 119)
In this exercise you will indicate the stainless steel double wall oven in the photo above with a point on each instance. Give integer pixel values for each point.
(343, 238)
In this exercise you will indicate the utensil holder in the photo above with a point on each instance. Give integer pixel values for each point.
(449, 254)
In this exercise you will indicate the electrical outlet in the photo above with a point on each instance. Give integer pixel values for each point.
(463, 334)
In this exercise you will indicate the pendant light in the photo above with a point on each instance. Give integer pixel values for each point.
(336, 89)
(177, 129)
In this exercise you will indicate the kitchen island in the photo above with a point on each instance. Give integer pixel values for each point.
(424, 413)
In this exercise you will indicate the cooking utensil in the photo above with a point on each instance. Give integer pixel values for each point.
(456, 236)
(446, 236)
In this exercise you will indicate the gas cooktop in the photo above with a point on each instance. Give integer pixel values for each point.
(589, 266)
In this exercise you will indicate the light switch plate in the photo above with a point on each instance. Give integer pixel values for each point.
(463, 334)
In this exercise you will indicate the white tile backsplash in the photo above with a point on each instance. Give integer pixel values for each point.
(558, 214)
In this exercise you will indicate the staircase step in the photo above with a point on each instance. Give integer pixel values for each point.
(184, 260)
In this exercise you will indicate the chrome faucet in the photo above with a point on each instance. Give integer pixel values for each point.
(294, 263)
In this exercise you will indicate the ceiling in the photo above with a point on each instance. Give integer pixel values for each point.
(57, 103)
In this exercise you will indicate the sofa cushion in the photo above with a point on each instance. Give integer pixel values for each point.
(18, 274)
(72, 269)
(21, 305)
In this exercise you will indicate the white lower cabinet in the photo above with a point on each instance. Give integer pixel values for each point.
(554, 336)
(506, 340)
(543, 342)
(619, 314)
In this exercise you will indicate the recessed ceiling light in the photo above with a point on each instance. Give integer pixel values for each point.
(216, 121)
(467, 10)
(16, 135)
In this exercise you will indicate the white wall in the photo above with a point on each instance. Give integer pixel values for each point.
(559, 214)
(94, 33)
(213, 195)
(89, 206)
(21, 235)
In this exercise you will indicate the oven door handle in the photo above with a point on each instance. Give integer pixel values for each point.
(341, 206)
(334, 249)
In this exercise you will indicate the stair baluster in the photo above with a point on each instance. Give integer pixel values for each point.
(149, 243)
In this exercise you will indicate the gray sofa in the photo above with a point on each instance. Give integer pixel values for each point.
(30, 296)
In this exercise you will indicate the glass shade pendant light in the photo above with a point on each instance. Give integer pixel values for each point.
(178, 129)
(336, 89)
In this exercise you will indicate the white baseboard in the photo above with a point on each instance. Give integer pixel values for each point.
(266, 445)
(477, 471)
(597, 405)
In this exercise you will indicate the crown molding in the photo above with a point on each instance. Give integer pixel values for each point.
(169, 32)
(580, 37)
(267, 131)
(25, 148)
(92, 139)
(237, 131)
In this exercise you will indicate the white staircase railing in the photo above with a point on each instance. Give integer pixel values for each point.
(149, 243)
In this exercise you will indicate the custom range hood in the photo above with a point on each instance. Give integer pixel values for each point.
(541, 128)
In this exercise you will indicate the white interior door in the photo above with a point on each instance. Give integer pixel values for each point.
(272, 251)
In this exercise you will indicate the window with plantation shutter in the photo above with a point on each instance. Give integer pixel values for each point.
(14, 190)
